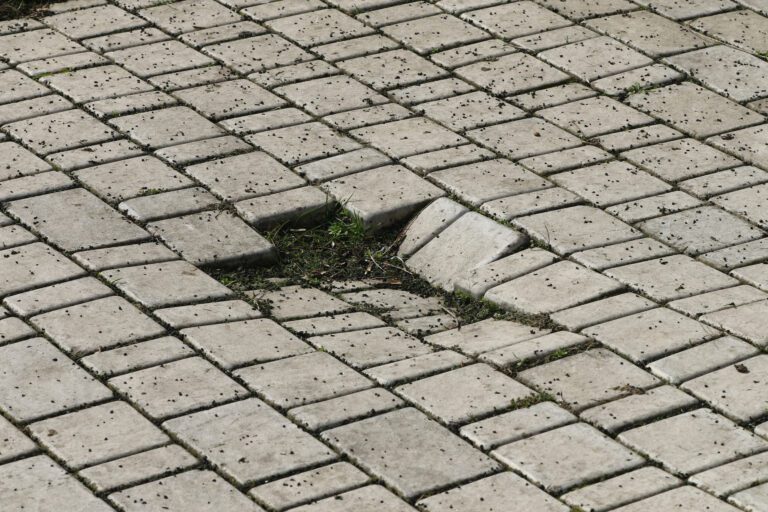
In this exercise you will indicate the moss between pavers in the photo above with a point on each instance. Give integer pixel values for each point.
(341, 249)
(12, 9)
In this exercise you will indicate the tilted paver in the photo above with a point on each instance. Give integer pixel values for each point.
(595, 171)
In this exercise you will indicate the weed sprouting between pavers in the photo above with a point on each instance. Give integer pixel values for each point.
(342, 249)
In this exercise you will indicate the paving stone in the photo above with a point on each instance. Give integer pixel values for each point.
(27, 186)
(654, 206)
(744, 29)
(97, 434)
(13, 443)
(694, 110)
(736, 390)
(444, 158)
(408, 137)
(590, 456)
(134, 469)
(34, 266)
(258, 53)
(75, 220)
(265, 121)
(14, 329)
(298, 144)
(747, 203)
(483, 181)
(524, 138)
(551, 96)
(653, 75)
(395, 304)
(392, 193)
(168, 204)
(468, 54)
(432, 33)
(166, 127)
(213, 238)
(298, 207)
(105, 152)
(554, 38)
(362, 117)
(56, 132)
(511, 74)
(428, 324)
(684, 443)
(366, 499)
(36, 44)
(122, 40)
(524, 352)
(192, 491)
(341, 165)
(310, 486)
(124, 256)
(610, 183)
(344, 409)
(489, 334)
(176, 80)
(483, 391)
(700, 230)
(751, 499)
(579, 317)
(357, 47)
(724, 181)
(244, 342)
(688, 8)
(594, 116)
(96, 83)
(621, 490)
(195, 315)
(650, 33)
(38, 380)
(390, 69)
(302, 379)
(318, 27)
(227, 99)
(17, 87)
(221, 33)
(734, 476)
(416, 367)
(433, 219)
(566, 160)
(650, 334)
(717, 300)
(502, 490)
(276, 77)
(26, 109)
(637, 137)
(479, 280)
(14, 236)
(158, 58)
(291, 302)
(479, 241)
(509, 21)
(40, 482)
(166, 284)
(371, 347)
(744, 321)
(129, 104)
(177, 387)
(398, 13)
(189, 15)
(330, 95)
(680, 159)
(638, 408)
(96, 325)
(673, 277)
(609, 256)
(728, 71)
(386, 445)
(595, 58)
(225, 435)
(574, 379)
(145, 354)
(92, 22)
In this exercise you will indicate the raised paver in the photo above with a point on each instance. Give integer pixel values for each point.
(410, 452)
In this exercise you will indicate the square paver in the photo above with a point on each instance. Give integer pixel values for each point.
(230, 98)
(97, 325)
(693, 441)
(410, 452)
(249, 441)
(595, 58)
(595, 116)
(568, 456)
(95, 21)
(744, 28)
(694, 110)
(747, 321)
(167, 127)
(738, 390)
(38, 380)
(158, 58)
(189, 15)
(517, 19)
(371, 347)
(434, 33)
(671, 277)
(178, 387)
(16, 87)
(512, 74)
(34, 266)
(97, 83)
(524, 138)
(680, 159)
(76, 219)
(372, 497)
(748, 203)
(680, 498)
(36, 44)
(319, 27)
(329, 95)
(15, 162)
(460, 395)
(701, 230)
(166, 284)
(408, 137)
(471, 110)
(303, 379)
(60, 131)
(396, 68)
(233, 344)
(588, 378)
(258, 53)
(291, 302)
(98, 434)
(297, 144)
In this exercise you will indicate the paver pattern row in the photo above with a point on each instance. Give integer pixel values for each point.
(602, 164)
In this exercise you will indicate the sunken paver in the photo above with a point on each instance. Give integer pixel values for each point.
(410, 452)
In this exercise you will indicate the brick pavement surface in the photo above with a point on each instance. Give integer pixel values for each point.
(602, 164)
